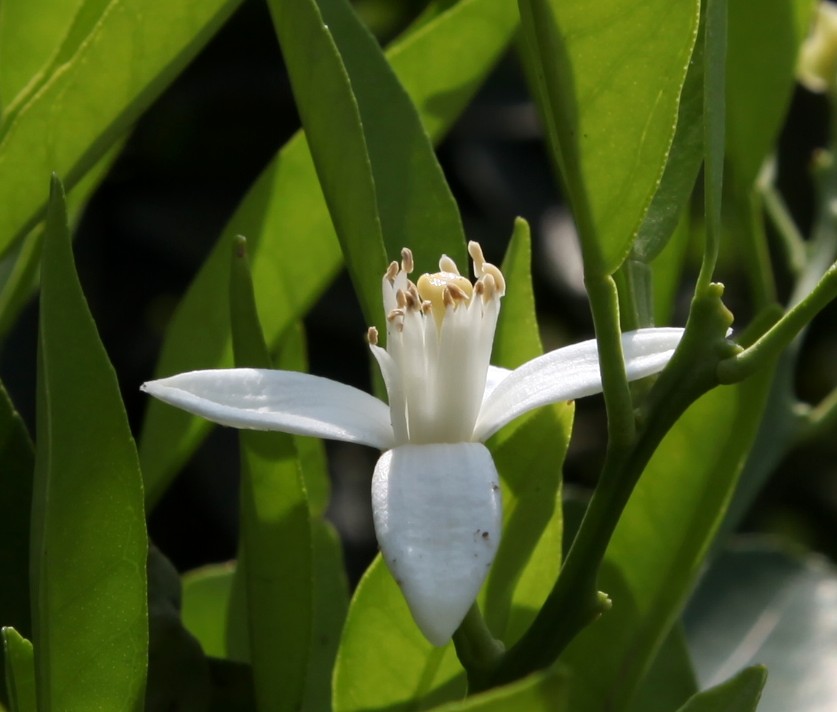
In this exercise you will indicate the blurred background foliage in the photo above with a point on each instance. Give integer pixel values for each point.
(192, 156)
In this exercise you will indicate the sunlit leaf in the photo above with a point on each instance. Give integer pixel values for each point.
(541, 692)
(384, 661)
(376, 166)
(100, 64)
(206, 599)
(89, 609)
(608, 77)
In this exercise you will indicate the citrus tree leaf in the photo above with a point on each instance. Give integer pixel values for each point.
(89, 546)
(608, 78)
(740, 694)
(19, 671)
(73, 45)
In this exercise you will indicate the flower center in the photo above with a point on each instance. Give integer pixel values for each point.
(435, 368)
(443, 290)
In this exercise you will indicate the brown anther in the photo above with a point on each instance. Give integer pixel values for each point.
(490, 287)
(395, 314)
(412, 289)
(392, 272)
(412, 302)
(407, 260)
(479, 288)
(401, 299)
(372, 336)
(426, 306)
(458, 294)
(447, 298)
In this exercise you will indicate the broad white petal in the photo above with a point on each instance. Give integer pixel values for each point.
(495, 375)
(569, 373)
(438, 516)
(262, 399)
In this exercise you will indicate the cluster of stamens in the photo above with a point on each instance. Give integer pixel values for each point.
(434, 294)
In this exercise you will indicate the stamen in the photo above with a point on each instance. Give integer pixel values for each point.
(372, 336)
(437, 289)
(407, 260)
(401, 299)
(446, 264)
(482, 268)
(447, 298)
(392, 272)
(457, 294)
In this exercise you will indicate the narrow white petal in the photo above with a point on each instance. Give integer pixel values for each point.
(569, 373)
(262, 399)
(438, 515)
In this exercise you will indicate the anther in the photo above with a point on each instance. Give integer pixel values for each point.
(392, 272)
(446, 264)
(401, 299)
(458, 294)
(372, 336)
(406, 260)
(426, 307)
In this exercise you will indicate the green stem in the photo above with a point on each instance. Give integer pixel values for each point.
(753, 244)
(743, 364)
(604, 305)
(477, 650)
(790, 239)
(575, 601)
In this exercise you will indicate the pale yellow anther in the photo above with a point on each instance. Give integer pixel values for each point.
(436, 289)
(483, 268)
(372, 336)
(407, 260)
(392, 271)
(446, 264)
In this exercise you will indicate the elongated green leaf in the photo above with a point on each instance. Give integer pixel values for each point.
(95, 106)
(529, 455)
(331, 601)
(608, 77)
(205, 606)
(740, 694)
(275, 528)
(542, 692)
(89, 610)
(381, 180)
(18, 459)
(764, 38)
(681, 171)
(760, 604)
(661, 539)
(19, 671)
(293, 250)
(384, 661)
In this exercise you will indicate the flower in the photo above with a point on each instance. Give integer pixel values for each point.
(435, 490)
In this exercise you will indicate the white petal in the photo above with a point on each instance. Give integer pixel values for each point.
(569, 373)
(495, 375)
(438, 516)
(262, 399)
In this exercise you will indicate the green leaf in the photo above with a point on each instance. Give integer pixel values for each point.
(89, 609)
(740, 694)
(275, 527)
(682, 168)
(541, 692)
(661, 540)
(383, 185)
(760, 603)
(293, 250)
(331, 601)
(764, 39)
(670, 680)
(608, 77)
(384, 661)
(18, 459)
(529, 455)
(69, 111)
(204, 610)
(19, 671)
